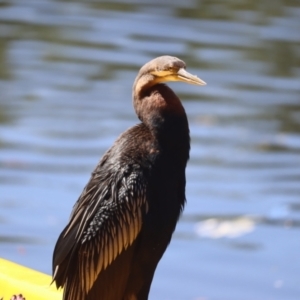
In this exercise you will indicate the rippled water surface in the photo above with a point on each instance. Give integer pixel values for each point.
(66, 73)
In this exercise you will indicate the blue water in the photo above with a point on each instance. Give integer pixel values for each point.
(66, 74)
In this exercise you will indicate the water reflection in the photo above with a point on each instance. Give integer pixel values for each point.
(66, 74)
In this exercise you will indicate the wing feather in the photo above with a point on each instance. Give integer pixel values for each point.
(100, 263)
(120, 241)
(115, 246)
(105, 221)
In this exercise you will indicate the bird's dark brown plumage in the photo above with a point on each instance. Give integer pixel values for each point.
(124, 219)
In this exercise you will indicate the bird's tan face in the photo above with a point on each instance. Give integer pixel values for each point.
(176, 74)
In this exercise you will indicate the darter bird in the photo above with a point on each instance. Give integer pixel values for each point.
(124, 219)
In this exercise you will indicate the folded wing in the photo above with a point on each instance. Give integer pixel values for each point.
(105, 221)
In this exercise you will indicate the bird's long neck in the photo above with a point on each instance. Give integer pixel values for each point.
(161, 111)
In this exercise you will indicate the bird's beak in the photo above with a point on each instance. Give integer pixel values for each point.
(184, 76)
(181, 75)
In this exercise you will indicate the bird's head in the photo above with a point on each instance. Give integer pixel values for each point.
(168, 68)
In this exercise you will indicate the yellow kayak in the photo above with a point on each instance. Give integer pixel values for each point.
(33, 285)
